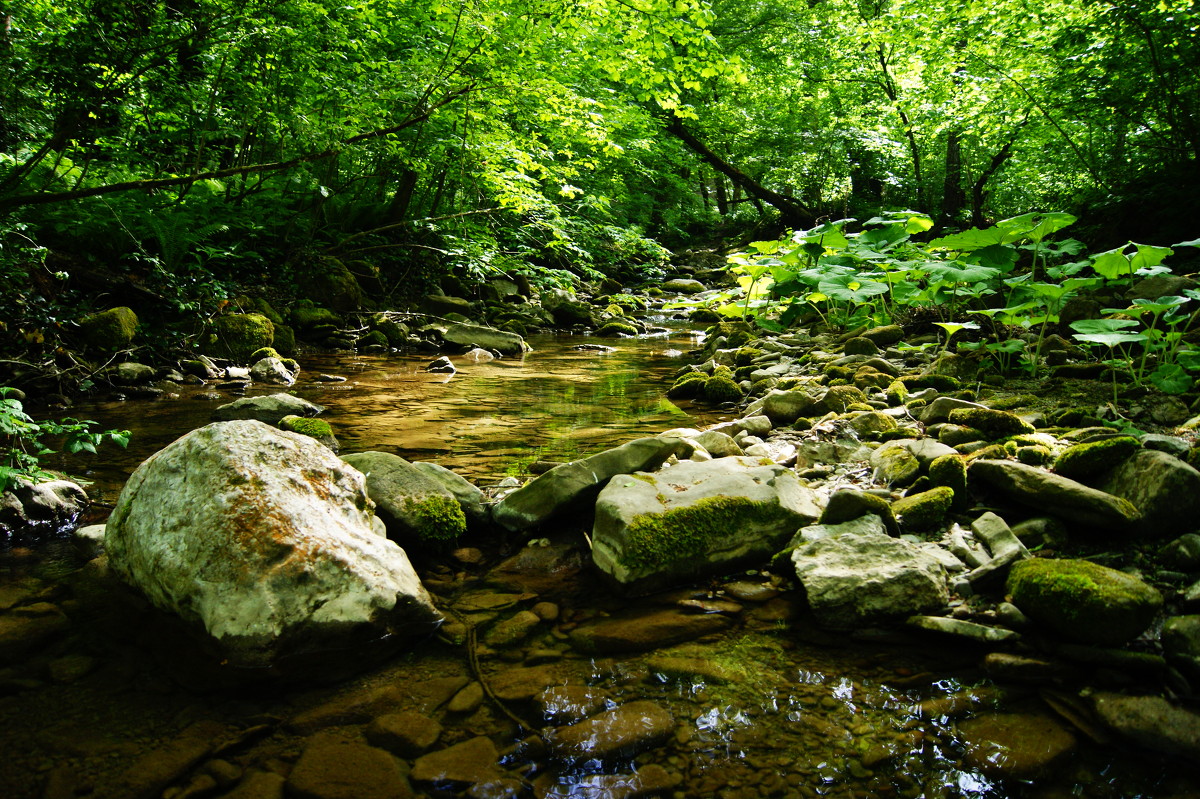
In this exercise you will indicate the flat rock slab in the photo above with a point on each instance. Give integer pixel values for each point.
(645, 631)
(621, 732)
(461, 766)
(1151, 722)
(1014, 745)
(573, 484)
(1058, 496)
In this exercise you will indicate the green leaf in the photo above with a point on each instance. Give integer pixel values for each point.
(1112, 264)
(1171, 378)
(851, 288)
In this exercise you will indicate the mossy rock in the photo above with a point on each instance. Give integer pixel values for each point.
(942, 383)
(373, 338)
(1015, 401)
(860, 345)
(840, 399)
(866, 377)
(950, 470)
(307, 317)
(262, 306)
(702, 316)
(285, 340)
(1035, 455)
(834, 372)
(313, 428)
(239, 336)
(395, 332)
(1076, 417)
(330, 282)
(744, 372)
(956, 435)
(924, 512)
(736, 334)
(1087, 460)
(1083, 601)
(688, 386)
(745, 355)
(849, 504)
(656, 540)
(616, 328)
(996, 424)
(436, 520)
(895, 465)
(987, 452)
(872, 424)
(109, 330)
(720, 387)
(265, 352)
(897, 392)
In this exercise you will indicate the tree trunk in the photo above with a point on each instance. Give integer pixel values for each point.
(792, 211)
(954, 199)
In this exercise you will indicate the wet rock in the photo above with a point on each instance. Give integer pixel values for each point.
(567, 704)
(939, 410)
(578, 482)
(109, 330)
(269, 409)
(622, 732)
(1083, 601)
(694, 519)
(1152, 723)
(467, 337)
(1055, 495)
(512, 630)
(856, 580)
(554, 570)
(649, 780)
(355, 707)
(924, 512)
(259, 785)
(334, 767)
(643, 631)
(467, 700)
(1181, 644)
(237, 336)
(1165, 489)
(1014, 745)
(682, 285)
(443, 366)
(408, 734)
(152, 772)
(675, 666)
(1183, 553)
(416, 508)
(472, 762)
(132, 374)
(523, 683)
(263, 539)
(26, 629)
(1009, 667)
(747, 591)
(718, 444)
(51, 505)
(273, 371)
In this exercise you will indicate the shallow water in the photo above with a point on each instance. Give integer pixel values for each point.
(775, 706)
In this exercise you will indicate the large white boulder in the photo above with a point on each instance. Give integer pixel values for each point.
(696, 519)
(264, 539)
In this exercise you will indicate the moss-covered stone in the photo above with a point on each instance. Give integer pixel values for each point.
(313, 428)
(306, 317)
(373, 338)
(264, 352)
(745, 355)
(950, 470)
(721, 387)
(736, 334)
(990, 451)
(285, 340)
(617, 328)
(924, 512)
(655, 540)
(1035, 454)
(688, 385)
(330, 282)
(394, 331)
(897, 392)
(1083, 601)
(994, 423)
(1086, 460)
(849, 504)
(1076, 417)
(860, 345)
(238, 336)
(839, 399)
(1014, 401)
(872, 424)
(109, 330)
(866, 377)
(262, 306)
(942, 383)
(895, 465)
(437, 520)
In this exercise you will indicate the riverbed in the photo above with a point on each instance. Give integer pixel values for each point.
(770, 706)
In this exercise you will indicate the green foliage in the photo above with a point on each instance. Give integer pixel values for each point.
(23, 441)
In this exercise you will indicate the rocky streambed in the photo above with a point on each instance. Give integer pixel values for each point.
(878, 577)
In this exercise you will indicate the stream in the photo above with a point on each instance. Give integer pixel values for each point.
(773, 706)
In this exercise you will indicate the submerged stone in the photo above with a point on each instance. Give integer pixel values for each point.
(621, 732)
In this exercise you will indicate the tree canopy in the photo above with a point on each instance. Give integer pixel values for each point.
(193, 142)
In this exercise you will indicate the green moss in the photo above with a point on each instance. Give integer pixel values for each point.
(109, 330)
(990, 421)
(1085, 460)
(373, 338)
(285, 339)
(238, 336)
(1015, 401)
(1082, 600)
(949, 470)
(925, 511)
(897, 392)
(941, 383)
(844, 373)
(867, 377)
(264, 352)
(656, 540)
(688, 385)
(615, 328)
(436, 519)
(745, 355)
(840, 399)
(1035, 455)
(307, 317)
(291, 364)
(744, 372)
(722, 388)
(314, 428)
(736, 334)
(990, 452)
(260, 305)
